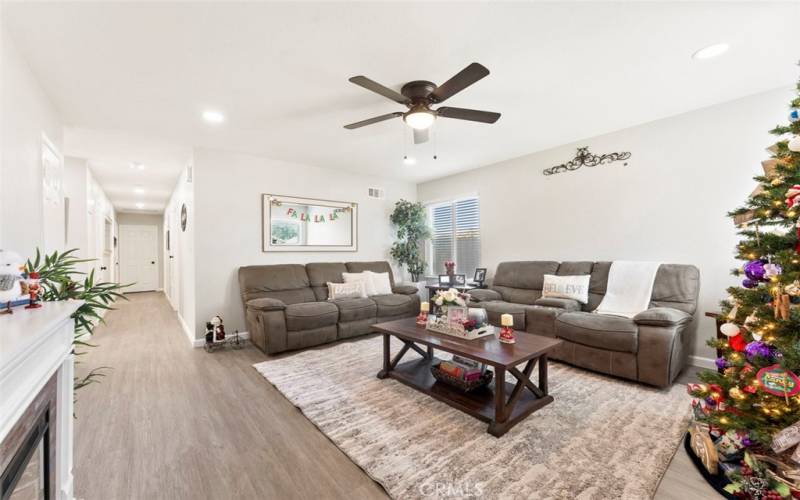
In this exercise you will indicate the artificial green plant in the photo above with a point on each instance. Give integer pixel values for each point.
(410, 221)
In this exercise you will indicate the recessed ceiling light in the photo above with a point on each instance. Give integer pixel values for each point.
(138, 190)
(140, 206)
(409, 160)
(212, 116)
(711, 51)
(136, 165)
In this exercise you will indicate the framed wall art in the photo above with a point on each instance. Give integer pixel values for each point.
(293, 224)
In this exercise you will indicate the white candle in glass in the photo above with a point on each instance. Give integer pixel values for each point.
(507, 320)
(424, 307)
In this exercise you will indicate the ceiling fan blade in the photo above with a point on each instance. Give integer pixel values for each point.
(472, 115)
(421, 135)
(363, 81)
(370, 121)
(462, 80)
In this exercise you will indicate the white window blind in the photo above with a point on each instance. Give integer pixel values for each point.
(456, 236)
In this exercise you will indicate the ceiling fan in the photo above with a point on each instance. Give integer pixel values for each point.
(420, 95)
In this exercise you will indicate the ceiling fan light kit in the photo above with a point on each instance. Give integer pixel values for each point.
(420, 95)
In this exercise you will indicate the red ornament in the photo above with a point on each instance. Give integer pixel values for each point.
(750, 388)
(737, 343)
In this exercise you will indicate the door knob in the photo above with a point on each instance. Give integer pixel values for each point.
(103, 268)
(152, 262)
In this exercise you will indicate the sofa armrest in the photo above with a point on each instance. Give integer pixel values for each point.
(559, 303)
(405, 289)
(662, 316)
(484, 295)
(266, 304)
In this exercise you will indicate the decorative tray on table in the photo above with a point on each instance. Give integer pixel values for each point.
(440, 325)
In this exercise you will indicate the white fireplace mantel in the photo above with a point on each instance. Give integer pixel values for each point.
(35, 344)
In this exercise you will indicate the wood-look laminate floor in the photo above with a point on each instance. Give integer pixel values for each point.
(172, 422)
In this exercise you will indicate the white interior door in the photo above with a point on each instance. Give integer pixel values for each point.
(138, 257)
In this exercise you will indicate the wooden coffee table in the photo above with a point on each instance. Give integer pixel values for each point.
(502, 404)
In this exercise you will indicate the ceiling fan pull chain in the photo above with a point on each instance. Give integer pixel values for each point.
(435, 131)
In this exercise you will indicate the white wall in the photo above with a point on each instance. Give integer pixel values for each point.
(668, 204)
(26, 114)
(138, 219)
(228, 189)
(180, 280)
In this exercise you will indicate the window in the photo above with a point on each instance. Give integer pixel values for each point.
(456, 236)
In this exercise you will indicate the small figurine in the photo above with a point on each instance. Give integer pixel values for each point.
(209, 333)
(507, 332)
(219, 329)
(33, 290)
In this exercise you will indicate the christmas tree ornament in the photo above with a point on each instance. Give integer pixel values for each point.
(729, 329)
(737, 343)
(778, 382)
(792, 195)
(772, 270)
(749, 283)
(757, 349)
(750, 321)
(794, 114)
(755, 268)
(721, 363)
(794, 144)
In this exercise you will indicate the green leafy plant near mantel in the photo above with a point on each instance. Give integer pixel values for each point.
(412, 229)
(60, 280)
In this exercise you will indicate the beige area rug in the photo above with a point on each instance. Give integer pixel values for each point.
(602, 438)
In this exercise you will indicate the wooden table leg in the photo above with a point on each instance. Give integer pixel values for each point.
(430, 352)
(387, 363)
(543, 373)
(497, 426)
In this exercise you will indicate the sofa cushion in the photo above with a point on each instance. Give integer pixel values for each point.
(355, 309)
(484, 295)
(311, 315)
(613, 333)
(393, 304)
(266, 304)
(575, 268)
(662, 316)
(524, 274)
(405, 289)
(557, 302)
(518, 295)
(597, 285)
(320, 273)
(286, 282)
(496, 308)
(541, 320)
(676, 286)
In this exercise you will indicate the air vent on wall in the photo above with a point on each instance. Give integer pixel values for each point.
(377, 193)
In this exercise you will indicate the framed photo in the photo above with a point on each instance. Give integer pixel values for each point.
(460, 280)
(444, 280)
(456, 316)
(480, 275)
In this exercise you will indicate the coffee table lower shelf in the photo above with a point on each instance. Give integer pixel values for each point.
(481, 403)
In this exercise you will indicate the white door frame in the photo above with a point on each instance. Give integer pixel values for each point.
(121, 253)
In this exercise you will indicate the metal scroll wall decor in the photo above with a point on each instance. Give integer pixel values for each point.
(586, 159)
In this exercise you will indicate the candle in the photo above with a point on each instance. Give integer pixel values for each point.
(424, 307)
(507, 320)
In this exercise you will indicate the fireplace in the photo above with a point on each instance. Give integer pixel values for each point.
(36, 394)
(28, 452)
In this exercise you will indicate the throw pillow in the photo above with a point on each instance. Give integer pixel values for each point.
(364, 277)
(380, 283)
(352, 290)
(567, 287)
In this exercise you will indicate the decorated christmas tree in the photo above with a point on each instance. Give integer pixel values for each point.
(749, 410)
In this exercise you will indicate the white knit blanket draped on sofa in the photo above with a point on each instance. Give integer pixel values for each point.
(630, 286)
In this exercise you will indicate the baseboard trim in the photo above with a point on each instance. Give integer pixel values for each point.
(185, 328)
(202, 342)
(702, 362)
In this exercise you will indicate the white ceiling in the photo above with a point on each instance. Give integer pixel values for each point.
(130, 80)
